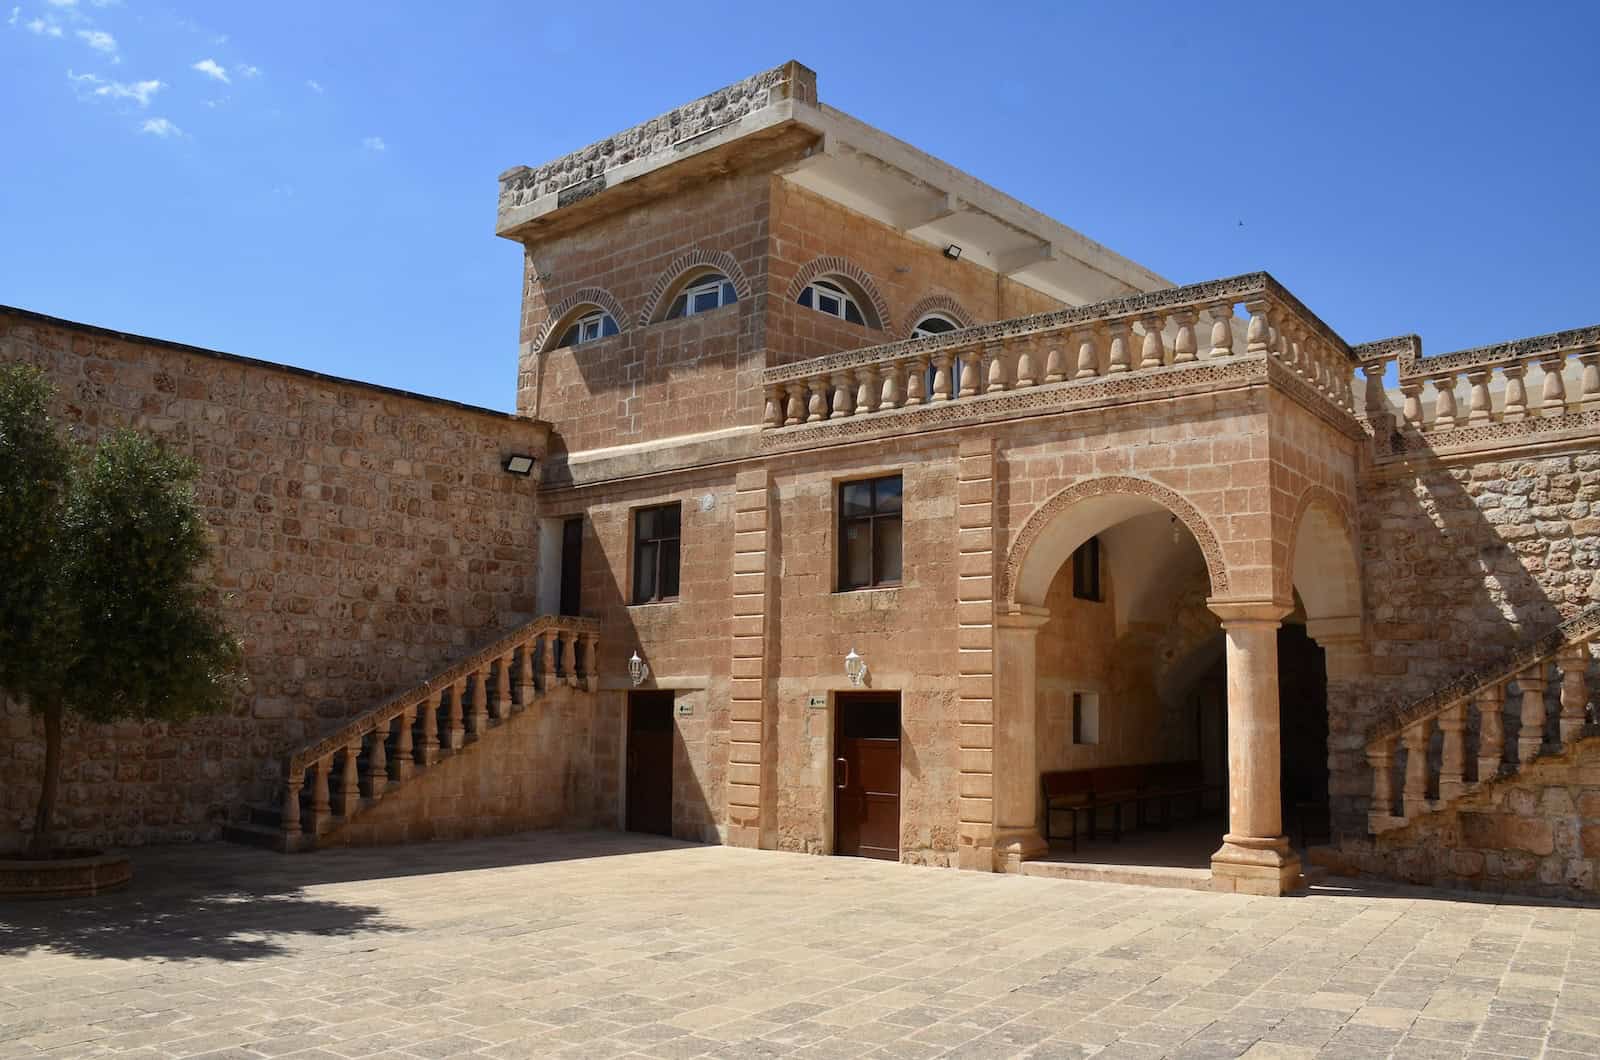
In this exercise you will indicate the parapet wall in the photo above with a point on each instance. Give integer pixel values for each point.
(364, 538)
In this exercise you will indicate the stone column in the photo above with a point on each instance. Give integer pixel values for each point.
(1016, 738)
(748, 709)
(1254, 857)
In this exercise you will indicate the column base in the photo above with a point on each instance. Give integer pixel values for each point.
(1255, 865)
(1013, 846)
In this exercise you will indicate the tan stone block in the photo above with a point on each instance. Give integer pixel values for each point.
(975, 736)
(750, 563)
(749, 625)
(748, 666)
(980, 587)
(977, 786)
(742, 731)
(979, 491)
(745, 773)
(975, 516)
(975, 810)
(975, 614)
(747, 689)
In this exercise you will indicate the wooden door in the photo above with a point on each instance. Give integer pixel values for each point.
(649, 779)
(866, 775)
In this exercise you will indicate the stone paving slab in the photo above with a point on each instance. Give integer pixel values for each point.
(604, 945)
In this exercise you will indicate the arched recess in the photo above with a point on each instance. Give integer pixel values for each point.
(687, 267)
(1322, 558)
(942, 304)
(1059, 525)
(572, 306)
(853, 275)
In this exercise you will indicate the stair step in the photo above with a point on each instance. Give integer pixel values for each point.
(254, 835)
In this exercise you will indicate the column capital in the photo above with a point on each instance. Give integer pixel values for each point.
(1245, 611)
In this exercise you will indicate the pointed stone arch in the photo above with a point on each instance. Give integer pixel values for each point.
(697, 260)
(560, 316)
(1038, 552)
(855, 275)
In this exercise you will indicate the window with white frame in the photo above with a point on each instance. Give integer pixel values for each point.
(589, 327)
(703, 295)
(937, 324)
(826, 296)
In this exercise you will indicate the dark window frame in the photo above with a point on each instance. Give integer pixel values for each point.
(844, 521)
(657, 548)
(1086, 583)
(571, 602)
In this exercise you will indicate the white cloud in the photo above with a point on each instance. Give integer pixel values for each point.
(63, 3)
(16, 13)
(99, 40)
(160, 127)
(313, 86)
(44, 29)
(248, 71)
(138, 91)
(210, 68)
(374, 143)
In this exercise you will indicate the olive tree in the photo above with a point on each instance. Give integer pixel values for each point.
(101, 613)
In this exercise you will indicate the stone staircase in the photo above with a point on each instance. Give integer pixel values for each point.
(393, 752)
(1437, 774)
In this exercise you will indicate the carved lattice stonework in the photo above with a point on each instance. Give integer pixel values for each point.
(1126, 485)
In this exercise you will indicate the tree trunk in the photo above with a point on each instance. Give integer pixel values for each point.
(43, 833)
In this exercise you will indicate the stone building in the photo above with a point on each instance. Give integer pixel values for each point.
(869, 508)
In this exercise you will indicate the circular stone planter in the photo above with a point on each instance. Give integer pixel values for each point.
(72, 874)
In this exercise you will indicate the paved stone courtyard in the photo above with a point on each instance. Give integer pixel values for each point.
(602, 945)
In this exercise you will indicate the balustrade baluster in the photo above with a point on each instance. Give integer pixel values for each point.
(405, 756)
(1411, 411)
(1119, 360)
(995, 355)
(1055, 368)
(1453, 753)
(291, 804)
(1258, 334)
(1025, 369)
(350, 780)
(1516, 406)
(942, 363)
(430, 729)
(1376, 400)
(774, 411)
(1414, 799)
(378, 762)
(1554, 401)
(843, 394)
(1530, 738)
(1589, 392)
(817, 409)
(917, 381)
(1491, 703)
(591, 661)
(526, 689)
(458, 732)
(1221, 316)
(866, 396)
(1479, 407)
(1278, 347)
(1380, 756)
(1152, 352)
(568, 663)
(321, 805)
(1574, 663)
(889, 390)
(479, 710)
(971, 373)
(503, 688)
(1088, 342)
(796, 411)
(548, 648)
(1444, 406)
(1184, 346)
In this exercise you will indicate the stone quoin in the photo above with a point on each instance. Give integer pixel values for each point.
(1112, 551)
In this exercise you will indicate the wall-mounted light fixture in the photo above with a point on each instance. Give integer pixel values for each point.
(638, 669)
(855, 668)
(952, 252)
(519, 464)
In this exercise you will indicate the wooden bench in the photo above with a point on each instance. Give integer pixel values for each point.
(1085, 792)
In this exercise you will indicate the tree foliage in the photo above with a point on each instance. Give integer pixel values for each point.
(102, 614)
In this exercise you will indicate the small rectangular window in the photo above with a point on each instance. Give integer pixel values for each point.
(571, 564)
(655, 553)
(1085, 718)
(1086, 570)
(870, 533)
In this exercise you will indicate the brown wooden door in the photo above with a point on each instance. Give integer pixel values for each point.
(649, 778)
(866, 775)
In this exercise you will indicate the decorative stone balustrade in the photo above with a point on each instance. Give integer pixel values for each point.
(1161, 332)
(1427, 744)
(1509, 383)
(330, 781)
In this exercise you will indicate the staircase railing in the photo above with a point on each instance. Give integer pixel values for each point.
(1562, 654)
(383, 748)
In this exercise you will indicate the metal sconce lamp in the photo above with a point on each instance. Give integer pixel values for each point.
(638, 669)
(855, 668)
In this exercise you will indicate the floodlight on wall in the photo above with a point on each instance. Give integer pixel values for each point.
(638, 669)
(952, 252)
(855, 668)
(519, 464)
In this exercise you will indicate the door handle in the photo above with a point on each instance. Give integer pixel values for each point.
(842, 772)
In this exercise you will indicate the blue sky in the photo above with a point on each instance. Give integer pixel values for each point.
(314, 182)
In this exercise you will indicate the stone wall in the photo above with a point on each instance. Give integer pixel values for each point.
(364, 539)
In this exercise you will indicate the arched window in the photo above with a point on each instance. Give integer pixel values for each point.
(701, 295)
(595, 324)
(937, 324)
(829, 296)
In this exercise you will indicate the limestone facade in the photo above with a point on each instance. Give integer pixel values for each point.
(1261, 508)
